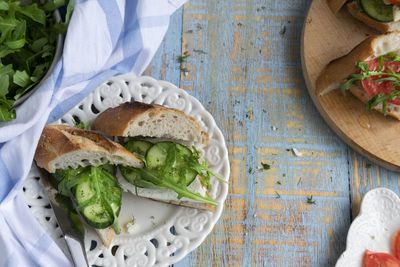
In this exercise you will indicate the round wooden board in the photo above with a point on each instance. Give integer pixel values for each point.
(326, 37)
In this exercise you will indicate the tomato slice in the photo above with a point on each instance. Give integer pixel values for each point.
(372, 259)
(396, 245)
(394, 1)
(372, 87)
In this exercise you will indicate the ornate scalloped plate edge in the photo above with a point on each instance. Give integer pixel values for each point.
(373, 228)
(181, 230)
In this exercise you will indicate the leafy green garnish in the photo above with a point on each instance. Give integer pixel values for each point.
(366, 73)
(171, 174)
(28, 36)
(82, 125)
(107, 192)
(310, 200)
(265, 166)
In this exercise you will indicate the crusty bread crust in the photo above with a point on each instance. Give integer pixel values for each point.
(384, 27)
(341, 68)
(391, 109)
(106, 235)
(336, 5)
(61, 141)
(120, 121)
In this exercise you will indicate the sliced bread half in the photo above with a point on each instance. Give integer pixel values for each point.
(341, 68)
(150, 120)
(384, 27)
(61, 147)
(338, 70)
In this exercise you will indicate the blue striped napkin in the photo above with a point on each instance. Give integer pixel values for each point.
(105, 38)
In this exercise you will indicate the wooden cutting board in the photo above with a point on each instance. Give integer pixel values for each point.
(326, 37)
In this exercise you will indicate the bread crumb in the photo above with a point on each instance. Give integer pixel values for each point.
(296, 152)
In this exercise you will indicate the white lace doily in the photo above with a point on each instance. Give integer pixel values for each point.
(374, 228)
(162, 234)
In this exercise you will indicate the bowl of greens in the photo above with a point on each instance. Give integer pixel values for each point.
(31, 42)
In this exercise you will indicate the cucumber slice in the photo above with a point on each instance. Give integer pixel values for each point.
(97, 216)
(190, 175)
(133, 176)
(83, 192)
(138, 146)
(157, 155)
(378, 10)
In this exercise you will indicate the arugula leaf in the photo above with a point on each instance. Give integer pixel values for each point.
(38, 44)
(4, 83)
(6, 70)
(21, 78)
(28, 39)
(382, 98)
(5, 113)
(164, 180)
(62, 27)
(53, 5)
(33, 12)
(3, 5)
(15, 44)
(107, 192)
(178, 164)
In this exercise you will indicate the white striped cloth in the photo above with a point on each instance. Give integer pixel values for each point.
(105, 38)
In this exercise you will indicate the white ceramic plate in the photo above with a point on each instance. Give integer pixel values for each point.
(374, 228)
(163, 234)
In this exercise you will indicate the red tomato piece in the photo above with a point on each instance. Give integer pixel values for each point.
(396, 245)
(372, 259)
(394, 1)
(372, 87)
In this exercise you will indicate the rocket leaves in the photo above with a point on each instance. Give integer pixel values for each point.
(28, 38)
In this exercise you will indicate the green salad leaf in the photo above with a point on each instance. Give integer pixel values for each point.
(28, 38)
(96, 191)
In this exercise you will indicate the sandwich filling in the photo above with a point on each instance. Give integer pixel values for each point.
(381, 10)
(380, 78)
(168, 165)
(96, 192)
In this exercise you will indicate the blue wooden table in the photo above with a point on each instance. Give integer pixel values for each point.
(241, 59)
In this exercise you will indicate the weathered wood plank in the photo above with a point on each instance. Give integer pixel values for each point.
(365, 176)
(244, 66)
(165, 64)
(249, 92)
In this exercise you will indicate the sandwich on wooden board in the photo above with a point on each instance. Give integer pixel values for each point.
(371, 72)
(382, 15)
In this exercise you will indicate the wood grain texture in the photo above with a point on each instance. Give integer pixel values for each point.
(327, 37)
(244, 66)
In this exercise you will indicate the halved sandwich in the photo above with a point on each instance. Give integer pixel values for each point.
(162, 138)
(382, 15)
(371, 72)
(82, 164)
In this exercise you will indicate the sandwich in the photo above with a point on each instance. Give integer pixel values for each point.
(371, 72)
(156, 162)
(382, 15)
(163, 139)
(82, 167)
